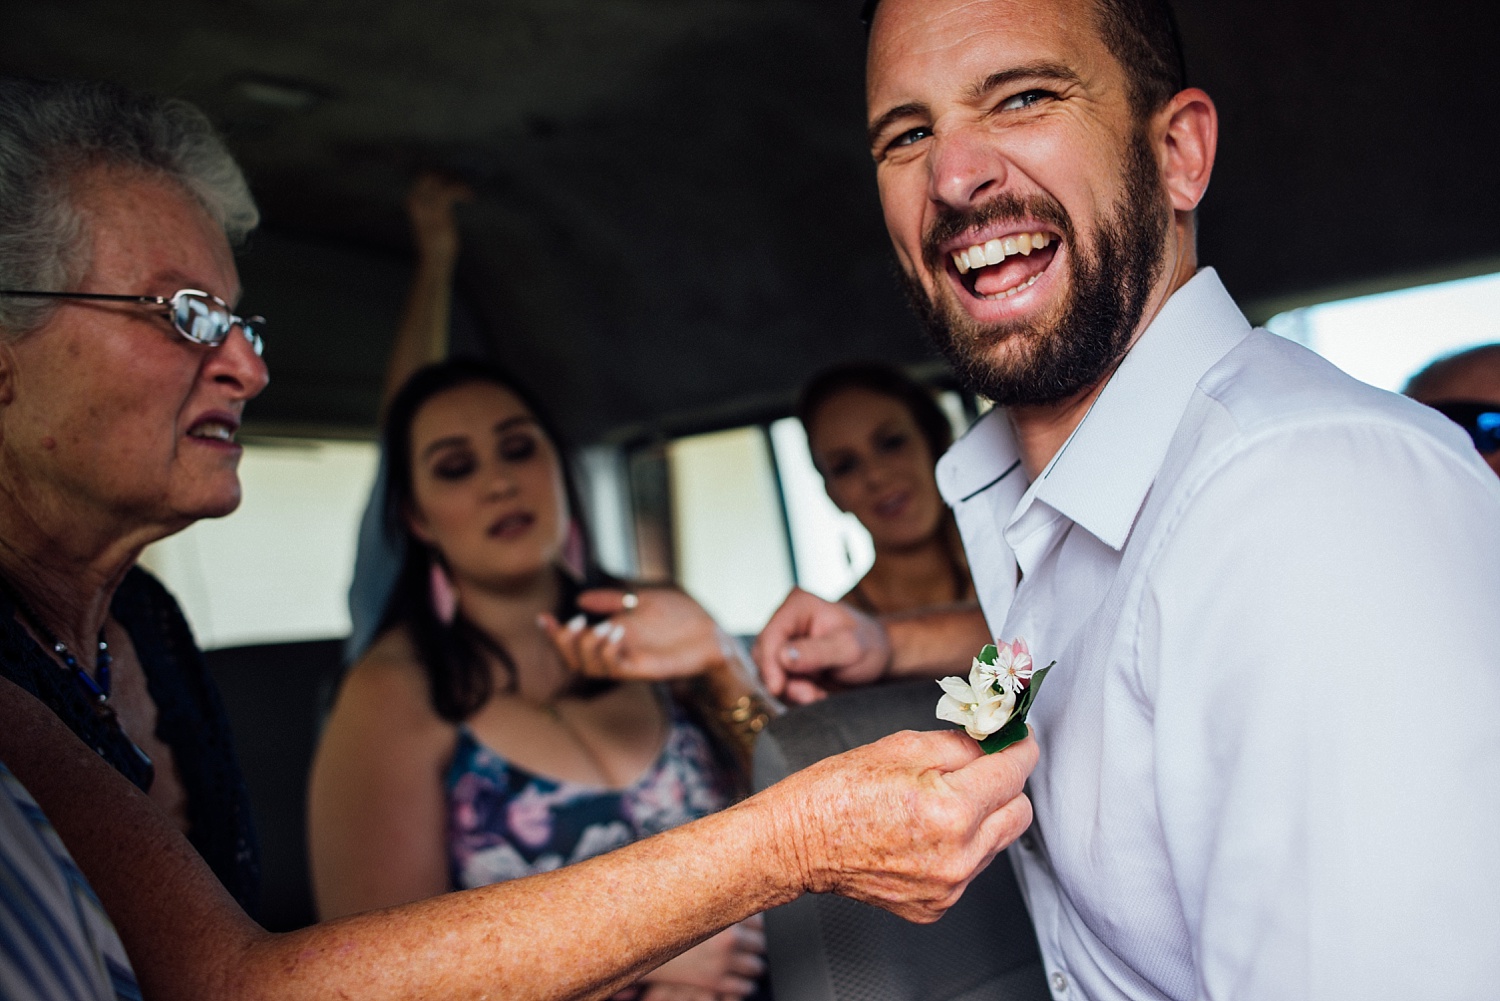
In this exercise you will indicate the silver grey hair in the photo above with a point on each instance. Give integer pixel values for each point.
(52, 131)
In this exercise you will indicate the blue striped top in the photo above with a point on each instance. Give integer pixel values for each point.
(56, 942)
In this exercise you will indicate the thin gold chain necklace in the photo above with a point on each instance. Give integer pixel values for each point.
(607, 777)
(551, 710)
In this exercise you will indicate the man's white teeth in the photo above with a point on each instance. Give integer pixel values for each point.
(995, 251)
(218, 432)
(1013, 289)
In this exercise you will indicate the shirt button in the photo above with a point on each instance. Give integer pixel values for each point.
(1028, 842)
(1060, 983)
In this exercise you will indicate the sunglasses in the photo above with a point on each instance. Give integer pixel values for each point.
(1481, 420)
(196, 315)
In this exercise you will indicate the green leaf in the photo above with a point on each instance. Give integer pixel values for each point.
(1011, 733)
(988, 655)
(1014, 729)
(1029, 696)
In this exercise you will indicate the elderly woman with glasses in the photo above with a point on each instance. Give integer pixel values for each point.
(117, 420)
(123, 377)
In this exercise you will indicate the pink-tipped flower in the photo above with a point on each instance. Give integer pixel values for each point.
(993, 703)
(1013, 667)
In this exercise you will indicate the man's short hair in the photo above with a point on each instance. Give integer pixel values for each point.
(51, 132)
(1143, 36)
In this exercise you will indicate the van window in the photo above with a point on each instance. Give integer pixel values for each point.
(746, 518)
(278, 568)
(832, 550)
(729, 539)
(1385, 339)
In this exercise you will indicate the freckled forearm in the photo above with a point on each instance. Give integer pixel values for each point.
(580, 932)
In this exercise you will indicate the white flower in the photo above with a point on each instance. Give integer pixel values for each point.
(987, 671)
(1013, 667)
(976, 706)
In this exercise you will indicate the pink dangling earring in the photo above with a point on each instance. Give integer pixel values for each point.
(572, 553)
(444, 597)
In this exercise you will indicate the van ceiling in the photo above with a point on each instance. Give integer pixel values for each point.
(677, 220)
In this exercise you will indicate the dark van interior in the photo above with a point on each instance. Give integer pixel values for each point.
(676, 219)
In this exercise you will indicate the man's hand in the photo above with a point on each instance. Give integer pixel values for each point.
(904, 823)
(811, 646)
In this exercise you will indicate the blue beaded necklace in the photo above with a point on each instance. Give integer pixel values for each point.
(96, 687)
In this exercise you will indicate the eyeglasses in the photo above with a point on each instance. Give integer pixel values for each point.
(196, 315)
(1481, 420)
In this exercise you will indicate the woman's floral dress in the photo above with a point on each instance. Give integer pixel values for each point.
(504, 822)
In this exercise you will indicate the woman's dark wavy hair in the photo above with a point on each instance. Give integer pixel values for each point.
(454, 655)
(886, 380)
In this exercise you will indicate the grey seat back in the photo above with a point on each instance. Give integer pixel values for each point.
(828, 948)
(276, 696)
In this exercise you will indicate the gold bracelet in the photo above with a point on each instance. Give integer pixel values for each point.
(747, 717)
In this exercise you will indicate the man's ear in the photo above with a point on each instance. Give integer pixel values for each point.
(1187, 133)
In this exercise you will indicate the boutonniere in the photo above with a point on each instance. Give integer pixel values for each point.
(992, 705)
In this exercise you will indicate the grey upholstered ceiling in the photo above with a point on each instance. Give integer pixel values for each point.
(677, 220)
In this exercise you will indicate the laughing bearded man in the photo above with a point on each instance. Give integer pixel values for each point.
(1271, 744)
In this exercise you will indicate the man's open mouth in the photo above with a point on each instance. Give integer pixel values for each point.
(1001, 267)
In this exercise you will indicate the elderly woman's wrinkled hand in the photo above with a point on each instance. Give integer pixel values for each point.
(904, 823)
(660, 635)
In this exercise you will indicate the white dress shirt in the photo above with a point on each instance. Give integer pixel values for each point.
(1270, 748)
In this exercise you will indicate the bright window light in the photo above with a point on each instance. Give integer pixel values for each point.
(1386, 339)
(728, 536)
(276, 570)
(833, 550)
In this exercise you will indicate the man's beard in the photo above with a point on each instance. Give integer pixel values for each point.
(1111, 283)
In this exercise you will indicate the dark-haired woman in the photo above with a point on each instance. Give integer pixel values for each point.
(469, 745)
(875, 436)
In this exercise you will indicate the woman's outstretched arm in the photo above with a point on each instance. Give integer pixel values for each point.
(904, 823)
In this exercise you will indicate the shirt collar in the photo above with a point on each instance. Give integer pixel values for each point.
(1099, 478)
(984, 456)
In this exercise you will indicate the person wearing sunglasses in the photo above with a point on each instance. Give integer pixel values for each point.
(1465, 388)
(119, 403)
